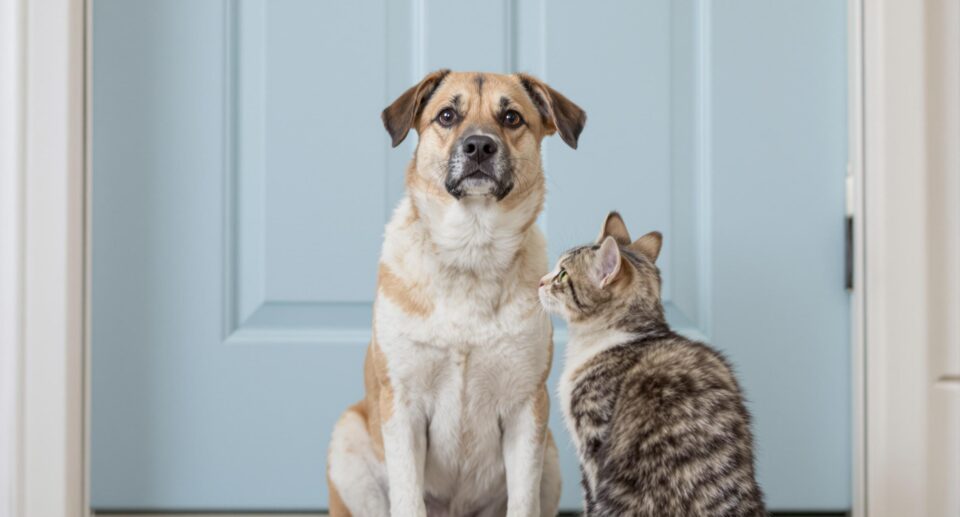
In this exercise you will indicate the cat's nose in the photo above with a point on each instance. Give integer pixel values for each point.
(545, 280)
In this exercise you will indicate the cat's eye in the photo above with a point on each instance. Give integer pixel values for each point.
(562, 275)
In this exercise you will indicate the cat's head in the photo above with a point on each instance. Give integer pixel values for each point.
(611, 283)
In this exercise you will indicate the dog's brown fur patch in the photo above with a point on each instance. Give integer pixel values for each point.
(378, 403)
(409, 297)
(337, 506)
(417, 182)
(541, 406)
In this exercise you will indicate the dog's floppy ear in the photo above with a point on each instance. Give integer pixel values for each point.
(558, 112)
(400, 116)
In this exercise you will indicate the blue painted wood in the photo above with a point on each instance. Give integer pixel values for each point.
(241, 181)
(215, 378)
(777, 159)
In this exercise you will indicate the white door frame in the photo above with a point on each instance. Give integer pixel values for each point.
(855, 210)
(912, 271)
(44, 266)
(42, 257)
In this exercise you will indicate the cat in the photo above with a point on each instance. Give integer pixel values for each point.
(658, 420)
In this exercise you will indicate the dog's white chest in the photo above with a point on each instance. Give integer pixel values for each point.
(464, 382)
(464, 461)
(474, 355)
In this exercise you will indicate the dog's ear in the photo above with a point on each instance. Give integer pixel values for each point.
(614, 226)
(558, 112)
(400, 116)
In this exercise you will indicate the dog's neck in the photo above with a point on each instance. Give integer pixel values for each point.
(476, 234)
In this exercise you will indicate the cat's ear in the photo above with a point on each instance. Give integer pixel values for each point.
(648, 245)
(608, 262)
(614, 226)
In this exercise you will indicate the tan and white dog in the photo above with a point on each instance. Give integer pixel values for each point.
(454, 421)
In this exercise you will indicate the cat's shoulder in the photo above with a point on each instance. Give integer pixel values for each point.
(586, 349)
(677, 357)
(678, 351)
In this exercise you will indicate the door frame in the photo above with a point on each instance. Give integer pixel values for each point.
(43, 257)
(44, 265)
(910, 68)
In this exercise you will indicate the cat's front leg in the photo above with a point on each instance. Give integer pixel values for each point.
(589, 502)
(404, 440)
(524, 435)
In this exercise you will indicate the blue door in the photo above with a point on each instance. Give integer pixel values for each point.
(241, 181)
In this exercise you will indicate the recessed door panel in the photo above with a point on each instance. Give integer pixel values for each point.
(241, 181)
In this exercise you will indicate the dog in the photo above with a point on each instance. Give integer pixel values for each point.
(454, 419)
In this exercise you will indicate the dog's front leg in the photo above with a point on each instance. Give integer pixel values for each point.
(524, 433)
(404, 441)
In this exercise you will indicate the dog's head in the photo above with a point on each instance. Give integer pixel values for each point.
(480, 133)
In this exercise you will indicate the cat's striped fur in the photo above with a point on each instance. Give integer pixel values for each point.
(659, 420)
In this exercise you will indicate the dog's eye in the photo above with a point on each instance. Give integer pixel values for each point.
(512, 119)
(447, 117)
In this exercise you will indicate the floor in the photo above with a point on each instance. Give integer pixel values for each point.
(111, 514)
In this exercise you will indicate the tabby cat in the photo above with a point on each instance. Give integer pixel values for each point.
(658, 420)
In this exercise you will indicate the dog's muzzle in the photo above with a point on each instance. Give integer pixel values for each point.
(478, 167)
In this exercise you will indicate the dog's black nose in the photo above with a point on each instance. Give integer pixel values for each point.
(479, 147)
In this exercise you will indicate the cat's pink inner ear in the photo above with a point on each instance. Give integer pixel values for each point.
(609, 263)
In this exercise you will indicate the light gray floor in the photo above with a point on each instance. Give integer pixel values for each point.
(111, 514)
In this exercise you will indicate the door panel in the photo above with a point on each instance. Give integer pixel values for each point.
(312, 148)
(241, 181)
(778, 139)
(298, 257)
